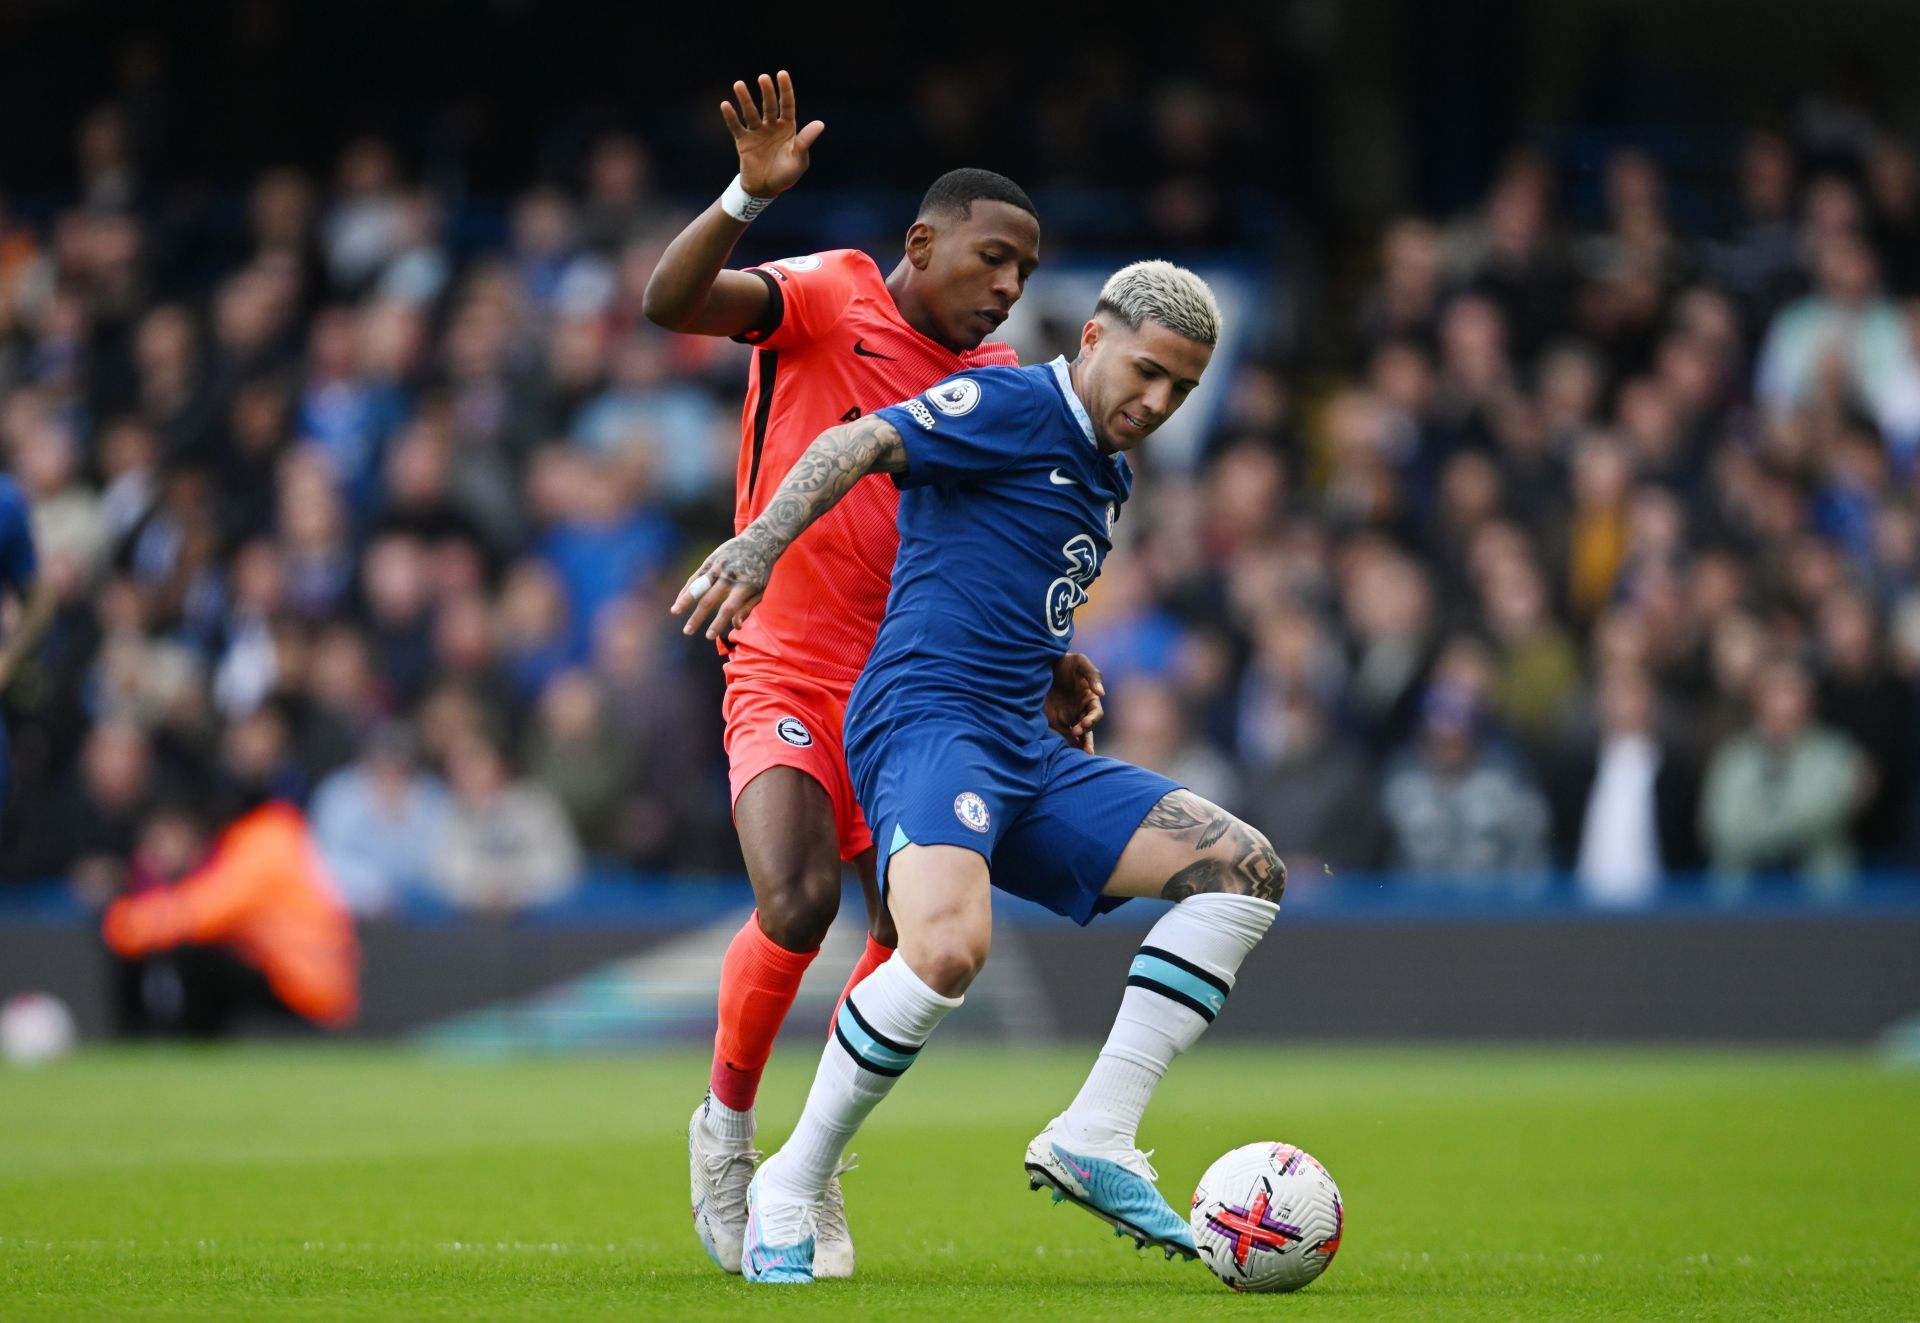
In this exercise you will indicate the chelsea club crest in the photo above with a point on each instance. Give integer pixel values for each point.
(971, 810)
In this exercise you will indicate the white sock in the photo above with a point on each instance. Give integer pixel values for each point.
(1175, 987)
(722, 1122)
(880, 1030)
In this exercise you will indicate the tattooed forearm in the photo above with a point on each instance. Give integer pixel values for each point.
(1238, 858)
(730, 582)
(838, 458)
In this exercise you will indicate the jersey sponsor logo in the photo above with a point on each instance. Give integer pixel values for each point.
(1059, 479)
(955, 397)
(861, 351)
(921, 414)
(971, 810)
(794, 731)
(807, 263)
(1068, 593)
(1113, 513)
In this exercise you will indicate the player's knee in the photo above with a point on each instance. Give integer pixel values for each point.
(1250, 866)
(797, 906)
(948, 961)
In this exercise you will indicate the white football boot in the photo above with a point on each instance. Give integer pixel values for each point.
(781, 1234)
(1115, 1185)
(833, 1246)
(721, 1169)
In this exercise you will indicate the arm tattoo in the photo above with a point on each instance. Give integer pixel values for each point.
(838, 458)
(1243, 861)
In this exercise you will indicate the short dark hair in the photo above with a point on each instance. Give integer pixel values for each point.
(955, 192)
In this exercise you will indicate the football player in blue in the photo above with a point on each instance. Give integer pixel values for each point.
(19, 579)
(1011, 481)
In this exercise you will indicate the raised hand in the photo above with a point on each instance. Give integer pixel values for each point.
(1073, 705)
(773, 155)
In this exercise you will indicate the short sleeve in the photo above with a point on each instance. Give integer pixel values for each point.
(807, 295)
(970, 425)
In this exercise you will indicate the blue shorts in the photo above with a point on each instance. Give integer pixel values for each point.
(1050, 820)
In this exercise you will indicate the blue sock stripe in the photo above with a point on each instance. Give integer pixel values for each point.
(878, 1037)
(1200, 972)
(1203, 996)
(871, 1050)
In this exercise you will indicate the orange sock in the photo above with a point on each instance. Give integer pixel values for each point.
(758, 982)
(871, 959)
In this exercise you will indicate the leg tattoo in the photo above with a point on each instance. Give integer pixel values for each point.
(1242, 862)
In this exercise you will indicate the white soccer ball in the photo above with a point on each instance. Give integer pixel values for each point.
(35, 1028)
(1267, 1217)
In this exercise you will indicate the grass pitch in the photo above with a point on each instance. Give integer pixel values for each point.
(1479, 1184)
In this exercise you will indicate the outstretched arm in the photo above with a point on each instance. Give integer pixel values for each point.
(729, 583)
(689, 291)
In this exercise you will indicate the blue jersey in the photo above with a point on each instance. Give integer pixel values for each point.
(1007, 510)
(19, 567)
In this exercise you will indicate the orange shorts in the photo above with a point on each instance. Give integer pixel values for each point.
(781, 720)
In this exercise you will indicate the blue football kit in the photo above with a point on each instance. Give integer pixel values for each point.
(1007, 510)
(19, 567)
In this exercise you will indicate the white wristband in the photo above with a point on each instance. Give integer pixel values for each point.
(740, 204)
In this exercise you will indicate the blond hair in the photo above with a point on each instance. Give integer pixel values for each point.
(1162, 292)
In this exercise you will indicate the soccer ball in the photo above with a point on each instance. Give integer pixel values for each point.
(1267, 1217)
(35, 1028)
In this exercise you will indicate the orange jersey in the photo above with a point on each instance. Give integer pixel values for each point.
(265, 894)
(834, 346)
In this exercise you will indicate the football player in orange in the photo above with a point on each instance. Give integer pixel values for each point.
(833, 338)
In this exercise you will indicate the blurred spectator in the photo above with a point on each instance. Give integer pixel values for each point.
(677, 811)
(1150, 730)
(617, 207)
(1758, 262)
(377, 822)
(253, 923)
(1458, 808)
(1539, 667)
(600, 540)
(1845, 341)
(557, 273)
(1316, 799)
(366, 226)
(347, 417)
(1627, 805)
(508, 844)
(1407, 299)
(99, 818)
(1508, 255)
(1782, 796)
(580, 757)
(1861, 698)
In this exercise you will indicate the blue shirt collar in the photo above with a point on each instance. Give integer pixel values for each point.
(1065, 382)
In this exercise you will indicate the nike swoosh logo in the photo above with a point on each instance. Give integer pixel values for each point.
(1086, 1174)
(1059, 479)
(861, 350)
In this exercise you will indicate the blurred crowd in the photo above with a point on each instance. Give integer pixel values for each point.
(1598, 554)
(364, 525)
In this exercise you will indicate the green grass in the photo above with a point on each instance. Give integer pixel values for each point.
(1479, 1184)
